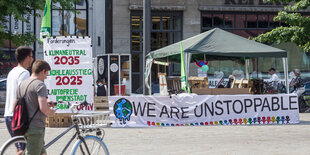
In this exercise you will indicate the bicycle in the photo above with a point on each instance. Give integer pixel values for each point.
(83, 124)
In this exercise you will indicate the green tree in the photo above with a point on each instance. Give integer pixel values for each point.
(297, 29)
(18, 8)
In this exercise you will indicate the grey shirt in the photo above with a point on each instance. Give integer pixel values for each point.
(36, 89)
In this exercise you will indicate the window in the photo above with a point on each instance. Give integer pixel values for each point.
(66, 22)
(166, 29)
(7, 56)
(246, 24)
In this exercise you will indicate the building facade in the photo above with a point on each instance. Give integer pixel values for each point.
(175, 20)
(117, 27)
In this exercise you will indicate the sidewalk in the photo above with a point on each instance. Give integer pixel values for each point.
(230, 140)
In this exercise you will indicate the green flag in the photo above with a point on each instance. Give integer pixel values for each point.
(183, 74)
(46, 21)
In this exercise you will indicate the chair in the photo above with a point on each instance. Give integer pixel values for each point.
(174, 83)
(243, 83)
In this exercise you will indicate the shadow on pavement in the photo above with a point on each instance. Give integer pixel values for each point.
(304, 123)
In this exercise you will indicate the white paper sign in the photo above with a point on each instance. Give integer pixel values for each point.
(192, 110)
(71, 76)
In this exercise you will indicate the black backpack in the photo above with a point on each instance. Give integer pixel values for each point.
(20, 121)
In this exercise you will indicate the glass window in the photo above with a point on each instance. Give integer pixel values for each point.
(69, 23)
(240, 21)
(136, 84)
(15, 26)
(135, 65)
(166, 22)
(177, 23)
(135, 41)
(206, 20)
(177, 36)
(251, 21)
(156, 23)
(229, 21)
(135, 22)
(218, 20)
(81, 24)
(65, 22)
(57, 28)
(263, 21)
(159, 39)
(155, 41)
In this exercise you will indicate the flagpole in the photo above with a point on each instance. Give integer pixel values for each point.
(183, 73)
(146, 39)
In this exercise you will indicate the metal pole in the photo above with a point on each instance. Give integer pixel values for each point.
(285, 66)
(247, 62)
(146, 36)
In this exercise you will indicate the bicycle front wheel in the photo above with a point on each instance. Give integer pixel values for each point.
(94, 144)
(13, 146)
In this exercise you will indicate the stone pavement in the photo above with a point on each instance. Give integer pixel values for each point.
(226, 140)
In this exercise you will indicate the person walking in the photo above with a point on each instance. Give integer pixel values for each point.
(38, 107)
(24, 57)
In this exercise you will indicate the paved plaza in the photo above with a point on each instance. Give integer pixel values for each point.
(226, 140)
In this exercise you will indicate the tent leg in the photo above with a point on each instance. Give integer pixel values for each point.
(285, 66)
(247, 62)
(150, 84)
(187, 63)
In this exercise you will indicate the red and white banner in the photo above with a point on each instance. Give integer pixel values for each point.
(71, 77)
(192, 109)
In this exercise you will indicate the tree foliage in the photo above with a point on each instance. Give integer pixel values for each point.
(297, 29)
(19, 8)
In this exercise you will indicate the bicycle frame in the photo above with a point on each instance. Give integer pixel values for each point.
(78, 134)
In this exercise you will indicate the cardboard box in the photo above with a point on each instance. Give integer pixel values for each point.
(202, 91)
(220, 91)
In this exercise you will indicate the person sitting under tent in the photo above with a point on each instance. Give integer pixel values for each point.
(274, 79)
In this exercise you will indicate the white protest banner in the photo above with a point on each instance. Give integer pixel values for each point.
(191, 109)
(71, 78)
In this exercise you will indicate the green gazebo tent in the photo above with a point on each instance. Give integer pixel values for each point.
(216, 43)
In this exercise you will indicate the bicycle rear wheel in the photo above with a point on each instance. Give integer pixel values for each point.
(94, 144)
(13, 145)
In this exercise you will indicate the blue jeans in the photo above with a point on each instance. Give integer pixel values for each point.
(8, 122)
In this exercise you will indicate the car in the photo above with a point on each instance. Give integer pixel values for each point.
(2, 95)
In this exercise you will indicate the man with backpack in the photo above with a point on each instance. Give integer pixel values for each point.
(35, 94)
(24, 57)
